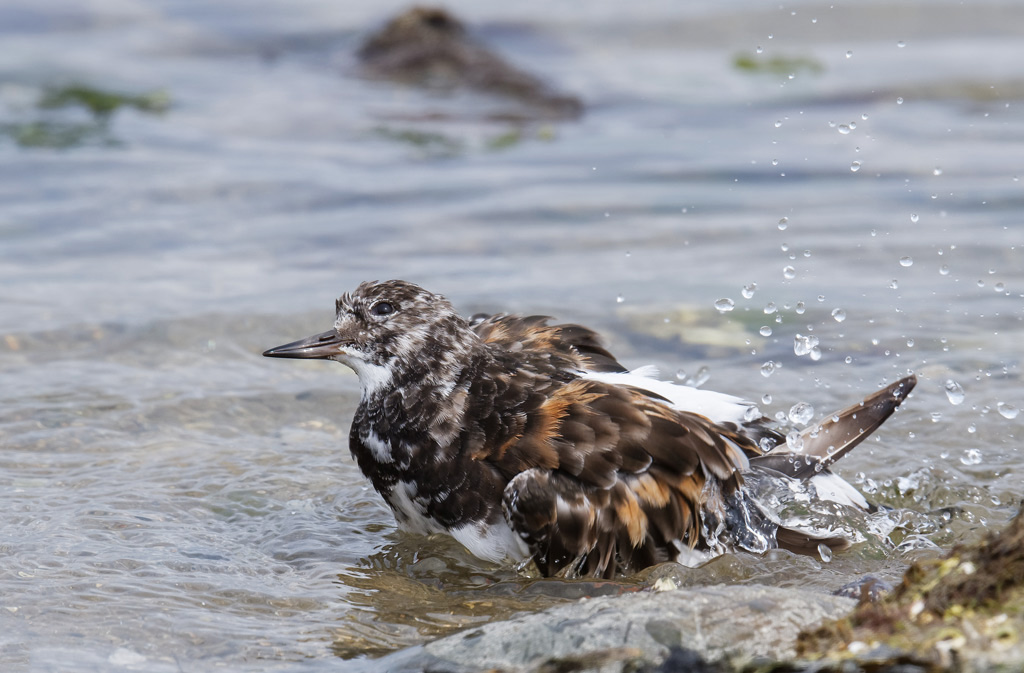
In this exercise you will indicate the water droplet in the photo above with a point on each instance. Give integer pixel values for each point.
(855, 166)
(999, 287)
(680, 374)
(778, 123)
(906, 261)
(936, 416)
(751, 414)
(944, 270)
(1007, 410)
(795, 441)
(748, 290)
(766, 398)
(894, 284)
(901, 44)
(700, 378)
(844, 129)
(971, 457)
(620, 299)
(910, 343)
(770, 308)
(899, 101)
(937, 171)
(783, 223)
(804, 345)
(788, 272)
(760, 49)
(801, 413)
(725, 305)
(838, 314)
(766, 444)
(815, 354)
(971, 429)
(849, 54)
(825, 552)
(848, 359)
(766, 331)
(767, 369)
(954, 392)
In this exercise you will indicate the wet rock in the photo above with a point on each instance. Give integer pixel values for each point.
(965, 611)
(867, 588)
(637, 631)
(430, 47)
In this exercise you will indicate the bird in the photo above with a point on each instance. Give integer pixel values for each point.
(528, 442)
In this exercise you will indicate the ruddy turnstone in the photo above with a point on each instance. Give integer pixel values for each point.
(524, 440)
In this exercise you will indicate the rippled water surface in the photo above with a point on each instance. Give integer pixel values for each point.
(173, 501)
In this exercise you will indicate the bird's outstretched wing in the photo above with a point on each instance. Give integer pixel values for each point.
(606, 479)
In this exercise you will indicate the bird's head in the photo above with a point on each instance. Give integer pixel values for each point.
(386, 331)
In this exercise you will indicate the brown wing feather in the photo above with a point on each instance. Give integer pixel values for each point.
(580, 345)
(630, 480)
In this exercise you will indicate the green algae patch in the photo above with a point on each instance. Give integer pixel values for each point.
(777, 65)
(49, 126)
(965, 611)
(56, 135)
(102, 104)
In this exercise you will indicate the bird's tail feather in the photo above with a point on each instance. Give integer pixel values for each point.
(826, 442)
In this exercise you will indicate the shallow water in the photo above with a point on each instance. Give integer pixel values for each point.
(172, 500)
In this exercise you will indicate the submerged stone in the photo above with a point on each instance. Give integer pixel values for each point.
(637, 631)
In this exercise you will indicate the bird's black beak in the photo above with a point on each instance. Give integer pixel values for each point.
(322, 346)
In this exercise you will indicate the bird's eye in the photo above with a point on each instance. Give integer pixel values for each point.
(382, 308)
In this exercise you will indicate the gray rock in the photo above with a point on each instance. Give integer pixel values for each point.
(613, 633)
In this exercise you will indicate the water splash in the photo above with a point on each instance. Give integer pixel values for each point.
(1007, 410)
(971, 457)
(801, 413)
(954, 392)
(700, 378)
(805, 345)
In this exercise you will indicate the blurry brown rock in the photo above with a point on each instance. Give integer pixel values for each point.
(431, 48)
